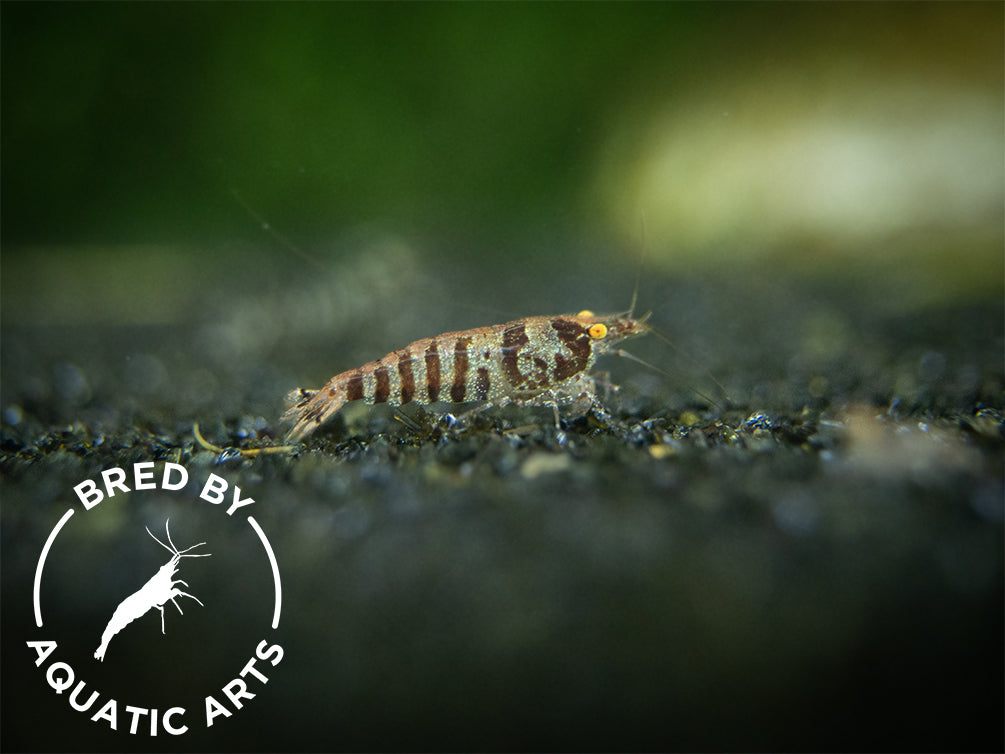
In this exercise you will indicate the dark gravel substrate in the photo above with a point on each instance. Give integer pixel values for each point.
(812, 561)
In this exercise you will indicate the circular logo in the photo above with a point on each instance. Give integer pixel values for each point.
(137, 631)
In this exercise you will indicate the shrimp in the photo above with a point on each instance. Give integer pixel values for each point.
(542, 361)
(155, 593)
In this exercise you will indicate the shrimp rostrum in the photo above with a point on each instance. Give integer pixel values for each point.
(542, 361)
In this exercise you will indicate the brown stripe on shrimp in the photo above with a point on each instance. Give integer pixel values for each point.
(353, 388)
(382, 387)
(578, 343)
(514, 338)
(482, 384)
(459, 389)
(407, 378)
(530, 361)
(432, 360)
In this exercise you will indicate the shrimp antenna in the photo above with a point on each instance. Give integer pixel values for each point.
(632, 357)
(694, 361)
(173, 549)
(267, 227)
(638, 269)
(167, 530)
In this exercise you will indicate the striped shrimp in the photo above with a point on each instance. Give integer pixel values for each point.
(534, 361)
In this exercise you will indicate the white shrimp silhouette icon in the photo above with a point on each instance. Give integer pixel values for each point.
(155, 593)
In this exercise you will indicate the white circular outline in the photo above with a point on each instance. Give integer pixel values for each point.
(36, 601)
(275, 570)
(41, 563)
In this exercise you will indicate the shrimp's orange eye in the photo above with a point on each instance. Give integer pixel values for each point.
(585, 313)
(598, 331)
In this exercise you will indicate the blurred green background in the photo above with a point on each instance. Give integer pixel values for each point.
(834, 139)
